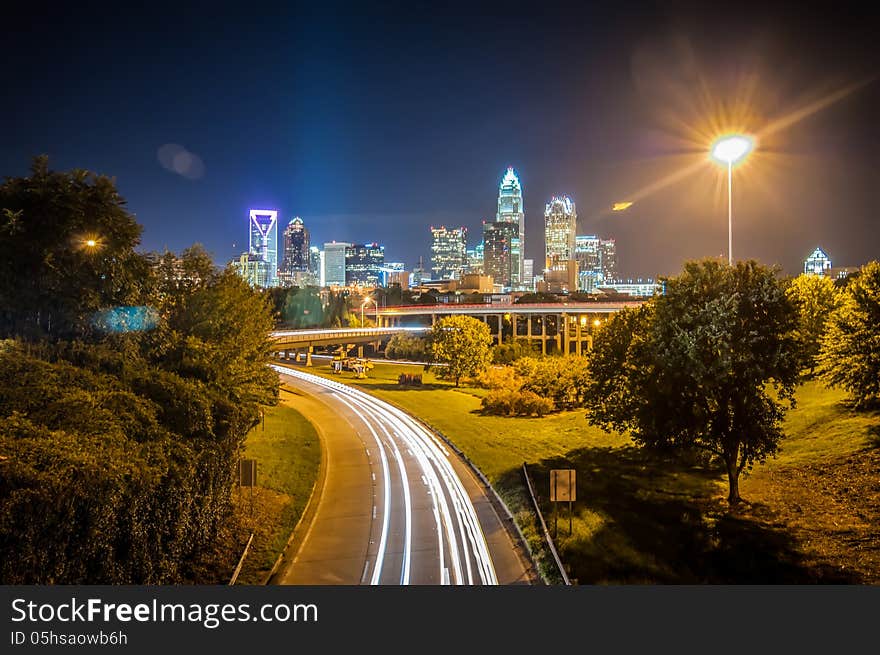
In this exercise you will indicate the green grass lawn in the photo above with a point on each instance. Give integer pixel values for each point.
(641, 517)
(288, 454)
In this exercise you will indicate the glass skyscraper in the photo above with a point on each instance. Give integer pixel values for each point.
(510, 211)
(263, 240)
(364, 263)
(334, 264)
(817, 263)
(448, 252)
(295, 250)
(498, 244)
(597, 261)
(560, 229)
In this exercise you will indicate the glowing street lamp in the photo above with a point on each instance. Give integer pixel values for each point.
(729, 150)
(364, 304)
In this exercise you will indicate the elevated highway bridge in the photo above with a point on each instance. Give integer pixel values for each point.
(555, 327)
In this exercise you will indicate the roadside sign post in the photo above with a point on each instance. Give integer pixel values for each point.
(247, 477)
(562, 488)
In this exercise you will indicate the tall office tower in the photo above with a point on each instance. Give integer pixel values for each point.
(364, 263)
(597, 261)
(529, 274)
(448, 252)
(316, 266)
(418, 273)
(608, 260)
(474, 257)
(295, 248)
(334, 264)
(817, 263)
(498, 242)
(510, 211)
(560, 228)
(589, 261)
(264, 239)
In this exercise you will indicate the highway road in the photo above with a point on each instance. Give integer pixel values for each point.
(396, 506)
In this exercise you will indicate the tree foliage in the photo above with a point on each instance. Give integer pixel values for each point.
(407, 346)
(709, 364)
(117, 449)
(463, 344)
(66, 251)
(816, 298)
(850, 354)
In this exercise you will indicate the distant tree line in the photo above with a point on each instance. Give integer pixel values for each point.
(119, 437)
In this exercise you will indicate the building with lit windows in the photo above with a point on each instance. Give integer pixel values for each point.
(817, 263)
(263, 241)
(295, 247)
(254, 269)
(529, 274)
(363, 264)
(334, 264)
(498, 237)
(560, 229)
(636, 288)
(448, 252)
(510, 211)
(596, 261)
(474, 257)
(316, 265)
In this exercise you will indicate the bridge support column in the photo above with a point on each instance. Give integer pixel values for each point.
(543, 334)
(309, 355)
(578, 346)
(360, 352)
(566, 338)
(500, 329)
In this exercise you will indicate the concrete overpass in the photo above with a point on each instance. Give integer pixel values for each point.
(300, 342)
(562, 327)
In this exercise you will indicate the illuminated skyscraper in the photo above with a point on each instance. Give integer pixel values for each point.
(263, 241)
(597, 261)
(560, 228)
(510, 211)
(474, 258)
(295, 251)
(364, 263)
(334, 264)
(448, 252)
(498, 242)
(817, 263)
(316, 265)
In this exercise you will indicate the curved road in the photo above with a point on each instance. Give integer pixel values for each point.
(396, 507)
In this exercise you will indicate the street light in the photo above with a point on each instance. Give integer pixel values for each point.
(364, 304)
(729, 150)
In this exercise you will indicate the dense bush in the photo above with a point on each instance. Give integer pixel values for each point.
(511, 402)
(561, 379)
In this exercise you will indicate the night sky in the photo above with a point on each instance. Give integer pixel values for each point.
(375, 122)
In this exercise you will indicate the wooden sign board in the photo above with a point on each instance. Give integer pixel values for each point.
(562, 485)
(247, 473)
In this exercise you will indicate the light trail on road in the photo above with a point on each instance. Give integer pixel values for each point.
(423, 500)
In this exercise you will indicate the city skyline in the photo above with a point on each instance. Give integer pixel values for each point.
(314, 132)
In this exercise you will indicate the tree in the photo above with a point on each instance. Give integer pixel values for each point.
(816, 298)
(695, 367)
(66, 251)
(406, 346)
(463, 344)
(850, 355)
(302, 308)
